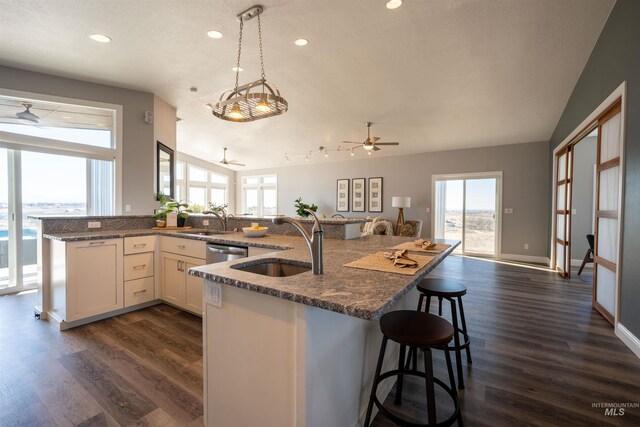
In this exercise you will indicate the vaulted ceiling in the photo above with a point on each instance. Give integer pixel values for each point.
(434, 75)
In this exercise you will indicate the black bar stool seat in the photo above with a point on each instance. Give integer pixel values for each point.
(417, 330)
(451, 291)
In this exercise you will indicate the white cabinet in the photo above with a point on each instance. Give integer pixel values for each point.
(138, 270)
(178, 288)
(86, 278)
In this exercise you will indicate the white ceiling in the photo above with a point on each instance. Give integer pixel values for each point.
(434, 75)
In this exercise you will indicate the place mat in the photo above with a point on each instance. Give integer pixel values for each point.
(379, 262)
(411, 246)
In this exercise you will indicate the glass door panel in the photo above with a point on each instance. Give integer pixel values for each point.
(51, 185)
(4, 220)
(466, 210)
(453, 211)
(480, 216)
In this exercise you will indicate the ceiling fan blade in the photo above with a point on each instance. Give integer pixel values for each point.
(387, 143)
(375, 148)
(233, 162)
(374, 139)
(351, 142)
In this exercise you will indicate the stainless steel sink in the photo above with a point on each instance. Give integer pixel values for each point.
(273, 268)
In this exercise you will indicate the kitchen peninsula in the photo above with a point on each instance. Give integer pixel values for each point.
(299, 350)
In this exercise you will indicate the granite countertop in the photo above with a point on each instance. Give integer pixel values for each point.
(337, 221)
(365, 294)
(270, 241)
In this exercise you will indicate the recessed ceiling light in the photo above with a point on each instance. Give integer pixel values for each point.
(394, 4)
(235, 69)
(214, 34)
(301, 42)
(100, 38)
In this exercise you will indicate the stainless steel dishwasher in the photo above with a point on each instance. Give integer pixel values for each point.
(221, 253)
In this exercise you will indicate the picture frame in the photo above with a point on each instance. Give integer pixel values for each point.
(375, 194)
(342, 195)
(358, 195)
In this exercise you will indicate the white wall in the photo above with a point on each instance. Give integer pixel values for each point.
(525, 186)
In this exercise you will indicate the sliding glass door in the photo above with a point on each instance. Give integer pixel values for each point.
(466, 208)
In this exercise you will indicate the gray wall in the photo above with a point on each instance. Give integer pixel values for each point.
(615, 58)
(138, 137)
(584, 161)
(525, 187)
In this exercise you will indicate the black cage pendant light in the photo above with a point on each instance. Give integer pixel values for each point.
(252, 101)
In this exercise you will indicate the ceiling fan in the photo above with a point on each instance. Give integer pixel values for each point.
(24, 115)
(371, 143)
(224, 160)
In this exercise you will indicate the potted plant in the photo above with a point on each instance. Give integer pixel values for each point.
(300, 208)
(168, 204)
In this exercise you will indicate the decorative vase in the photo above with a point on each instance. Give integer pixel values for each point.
(161, 223)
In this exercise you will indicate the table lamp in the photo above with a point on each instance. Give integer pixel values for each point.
(400, 203)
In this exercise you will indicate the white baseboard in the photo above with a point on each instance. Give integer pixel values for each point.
(526, 258)
(628, 338)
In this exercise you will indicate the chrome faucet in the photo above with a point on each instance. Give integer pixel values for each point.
(314, 240)
(222, 218)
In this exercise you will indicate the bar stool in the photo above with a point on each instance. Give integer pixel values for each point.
(451, 291)
(425, 331)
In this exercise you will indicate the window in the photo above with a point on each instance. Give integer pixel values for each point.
(200, 186)
(64, 160)
(260, 195)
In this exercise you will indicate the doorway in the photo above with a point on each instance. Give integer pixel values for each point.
(467, 208)
(607, 124)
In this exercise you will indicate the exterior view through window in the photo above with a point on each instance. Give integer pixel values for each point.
(58, 162)
(260, 195)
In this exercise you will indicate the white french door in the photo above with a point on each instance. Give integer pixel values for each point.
(608, 185)
(467, 208)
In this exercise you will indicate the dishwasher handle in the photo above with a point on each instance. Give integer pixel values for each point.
(227, 251)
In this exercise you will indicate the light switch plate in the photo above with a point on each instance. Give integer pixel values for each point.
(127, 208)
(214, 294)
(508, 210)
(94, 224)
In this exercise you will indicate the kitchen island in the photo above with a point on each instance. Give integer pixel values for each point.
(299, 350)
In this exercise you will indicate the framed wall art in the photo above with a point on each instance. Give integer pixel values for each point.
(375, 194)
(342, 195)
(358, 195)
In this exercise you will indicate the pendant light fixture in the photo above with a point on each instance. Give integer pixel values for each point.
(252, 101)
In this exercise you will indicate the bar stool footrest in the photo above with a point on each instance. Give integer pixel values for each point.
(412, 372)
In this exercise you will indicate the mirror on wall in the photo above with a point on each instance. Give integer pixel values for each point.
(164, 169)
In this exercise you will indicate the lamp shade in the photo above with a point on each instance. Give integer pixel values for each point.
(401, 202)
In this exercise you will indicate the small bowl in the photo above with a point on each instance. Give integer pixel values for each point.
(253, 232)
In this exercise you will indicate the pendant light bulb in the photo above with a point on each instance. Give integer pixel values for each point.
(263, 106)
(326, 153)
(306, 159)
(236, 112)
(352, 152)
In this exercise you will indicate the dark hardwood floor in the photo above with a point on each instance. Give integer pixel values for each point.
(143, 368)
(541, 357)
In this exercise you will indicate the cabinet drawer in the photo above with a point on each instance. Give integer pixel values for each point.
(139, 244)
(138, 266)
(138, 291)
(187, 247)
